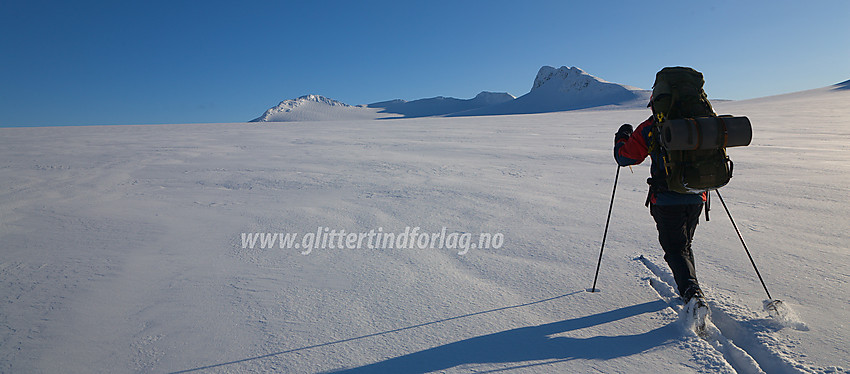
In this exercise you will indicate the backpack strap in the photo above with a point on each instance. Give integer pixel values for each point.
(674, 100)
(653, 136)
(691, 133)
(724, 131)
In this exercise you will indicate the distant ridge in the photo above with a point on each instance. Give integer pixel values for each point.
(553, 90)
(437, 106)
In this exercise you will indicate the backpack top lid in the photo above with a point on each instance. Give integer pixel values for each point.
(684, 78)
(678, 93)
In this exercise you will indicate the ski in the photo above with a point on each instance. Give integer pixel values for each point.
(698, 315)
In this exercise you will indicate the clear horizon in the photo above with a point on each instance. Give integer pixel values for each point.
(157, 62)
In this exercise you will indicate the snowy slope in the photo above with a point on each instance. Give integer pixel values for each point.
(122, 248)
(562, 89)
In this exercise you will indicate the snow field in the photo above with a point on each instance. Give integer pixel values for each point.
(122, 249)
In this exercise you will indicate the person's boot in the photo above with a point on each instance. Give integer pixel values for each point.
(692, 292)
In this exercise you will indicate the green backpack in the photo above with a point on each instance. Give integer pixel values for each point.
(678, 94)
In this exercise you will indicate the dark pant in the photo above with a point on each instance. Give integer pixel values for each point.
(676, 226)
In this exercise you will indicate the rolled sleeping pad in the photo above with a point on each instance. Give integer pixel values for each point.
(706, 133)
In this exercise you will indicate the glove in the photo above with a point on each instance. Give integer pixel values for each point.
(623, 133)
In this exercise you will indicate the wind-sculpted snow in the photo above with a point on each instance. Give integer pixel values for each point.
(123, 247)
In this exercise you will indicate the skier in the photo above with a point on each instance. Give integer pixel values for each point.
(676, 214)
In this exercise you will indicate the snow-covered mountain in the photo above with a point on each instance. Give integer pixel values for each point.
(554, 90)
(316, 108)
(437, 106)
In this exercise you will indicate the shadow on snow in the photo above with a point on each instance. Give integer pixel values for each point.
(518, 345)
(533, 344)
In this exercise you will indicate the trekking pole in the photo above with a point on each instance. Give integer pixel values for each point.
(745, 246)
(605, 234)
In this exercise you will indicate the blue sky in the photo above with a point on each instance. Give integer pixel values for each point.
(138, 62)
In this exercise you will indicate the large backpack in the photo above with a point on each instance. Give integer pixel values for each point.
(678, 97)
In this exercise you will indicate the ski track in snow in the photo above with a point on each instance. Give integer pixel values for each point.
(746, 342)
